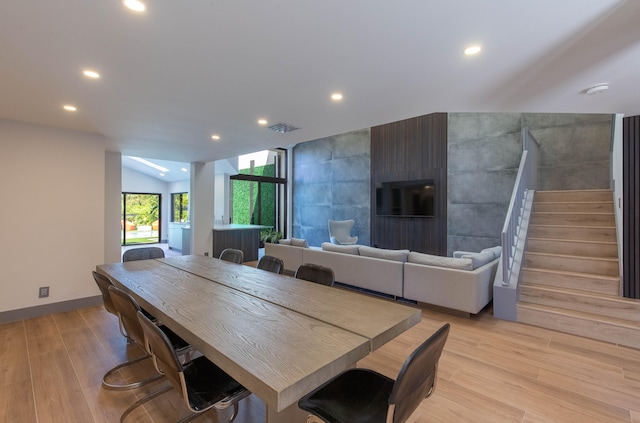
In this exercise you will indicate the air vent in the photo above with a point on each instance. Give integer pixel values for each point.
(282, 128)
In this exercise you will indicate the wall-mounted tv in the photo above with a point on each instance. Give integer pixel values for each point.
(405, 198)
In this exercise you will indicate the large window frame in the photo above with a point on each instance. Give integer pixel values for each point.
(279, 180)
(179, 207)
(125, 214)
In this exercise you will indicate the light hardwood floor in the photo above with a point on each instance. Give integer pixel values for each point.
(491, 371)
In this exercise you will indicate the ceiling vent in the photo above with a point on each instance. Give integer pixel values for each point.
(282, 128)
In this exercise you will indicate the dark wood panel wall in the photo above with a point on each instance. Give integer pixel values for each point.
(631, 209)
(411, 149)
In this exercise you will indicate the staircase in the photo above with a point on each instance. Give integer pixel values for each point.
(570, 276)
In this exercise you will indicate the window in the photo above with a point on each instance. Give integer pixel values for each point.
(258, 192)
(180, 207)
(140, 218)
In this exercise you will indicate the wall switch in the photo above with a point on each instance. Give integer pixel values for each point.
(43, 292)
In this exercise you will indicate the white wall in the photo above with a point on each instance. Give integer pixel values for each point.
(201, 199)
(618, 185)
(53, 213)
(113, 200)
(221, 200)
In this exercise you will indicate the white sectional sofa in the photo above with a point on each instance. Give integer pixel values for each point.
(468, 291)
(463, 282)
(372, 273)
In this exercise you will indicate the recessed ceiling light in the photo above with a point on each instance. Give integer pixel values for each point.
(135, 5)
(150, 164)
(184, 169)
(70, 108)
(262, 122)
(215, 137)
(471, 50)
(91, 74)
(162, 174)
(336, 96)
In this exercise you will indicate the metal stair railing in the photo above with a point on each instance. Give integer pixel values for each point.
(526, 180)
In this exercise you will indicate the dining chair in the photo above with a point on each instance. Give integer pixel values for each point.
(127, 308)
(143, 253)
(315, 273)
(363, 395)
(202, 384)
(271, 264)
(104, 283)
(232, 255)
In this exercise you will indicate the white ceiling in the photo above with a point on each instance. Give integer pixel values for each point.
(184, 70)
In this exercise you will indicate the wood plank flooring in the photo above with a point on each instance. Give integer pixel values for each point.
(491, 371)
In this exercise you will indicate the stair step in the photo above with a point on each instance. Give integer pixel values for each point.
(573, 280)
(602, 305)
(574, 195)
(573, 219)
(573, 247)
(597, 265)
(589, 325)
(592, 233)
(577, 207)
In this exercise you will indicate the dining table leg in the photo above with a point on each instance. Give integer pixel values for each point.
(291, 414)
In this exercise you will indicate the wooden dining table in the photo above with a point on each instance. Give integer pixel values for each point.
(278, 336)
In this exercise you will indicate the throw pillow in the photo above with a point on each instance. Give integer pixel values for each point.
(285, 241)
(297, 242)
(345, 249)
(480, 259)
(496, 251)
(438, 261)
(381, 253)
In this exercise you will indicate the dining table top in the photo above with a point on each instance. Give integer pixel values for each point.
(278, 336)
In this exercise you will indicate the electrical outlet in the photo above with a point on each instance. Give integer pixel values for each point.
(206, 254)
(44, 292)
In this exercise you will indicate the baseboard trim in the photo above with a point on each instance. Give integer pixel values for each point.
(43, 310)
(446, 310)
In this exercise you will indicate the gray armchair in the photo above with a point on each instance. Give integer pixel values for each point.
(340, 232)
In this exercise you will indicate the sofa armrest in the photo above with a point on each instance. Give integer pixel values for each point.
(463, 290)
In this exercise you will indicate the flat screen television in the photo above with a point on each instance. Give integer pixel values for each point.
(405, 198)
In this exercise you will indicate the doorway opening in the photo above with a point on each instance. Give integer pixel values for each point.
(140, 218)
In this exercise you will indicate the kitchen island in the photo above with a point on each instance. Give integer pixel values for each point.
(240, 237)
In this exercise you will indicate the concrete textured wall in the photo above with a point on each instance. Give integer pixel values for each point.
(575, 149)
(484, 151)
(331, 180)
(331, 175)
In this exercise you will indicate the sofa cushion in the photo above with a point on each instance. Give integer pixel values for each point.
(438, 261)
(381, 253)
(480, 259)
(345, 249)
(298, 242)
(286, 241)
(496, 251)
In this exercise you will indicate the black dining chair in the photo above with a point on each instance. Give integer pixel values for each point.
(271, 264)
(315, 273)
(143, 253)
(232, 255)
(202, 384)
(104, 283)
(127, 308)
(363, 395)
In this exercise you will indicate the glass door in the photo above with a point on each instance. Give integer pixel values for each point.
(140, 221)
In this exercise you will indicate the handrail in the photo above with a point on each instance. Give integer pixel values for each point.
(526, 179)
